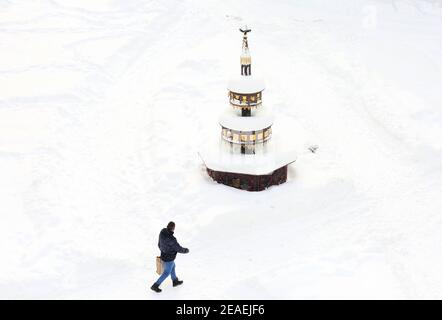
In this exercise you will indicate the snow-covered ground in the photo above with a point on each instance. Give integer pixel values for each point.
(104, 105)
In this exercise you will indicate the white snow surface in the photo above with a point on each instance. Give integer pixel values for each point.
(105, 103)
(245, 84)
(271, 155)
(261, 119)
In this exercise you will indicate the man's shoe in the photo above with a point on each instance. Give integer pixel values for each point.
(156, 288)
(177, 282)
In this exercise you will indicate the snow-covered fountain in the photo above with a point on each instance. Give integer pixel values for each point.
(246, 157)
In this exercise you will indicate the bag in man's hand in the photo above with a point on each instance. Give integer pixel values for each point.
(160, 268)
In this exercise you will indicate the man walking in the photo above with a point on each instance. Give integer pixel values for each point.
(169, 247)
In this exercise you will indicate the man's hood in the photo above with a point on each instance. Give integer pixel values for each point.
(166, 232)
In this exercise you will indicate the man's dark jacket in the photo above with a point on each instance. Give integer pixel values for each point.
(169, 246)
